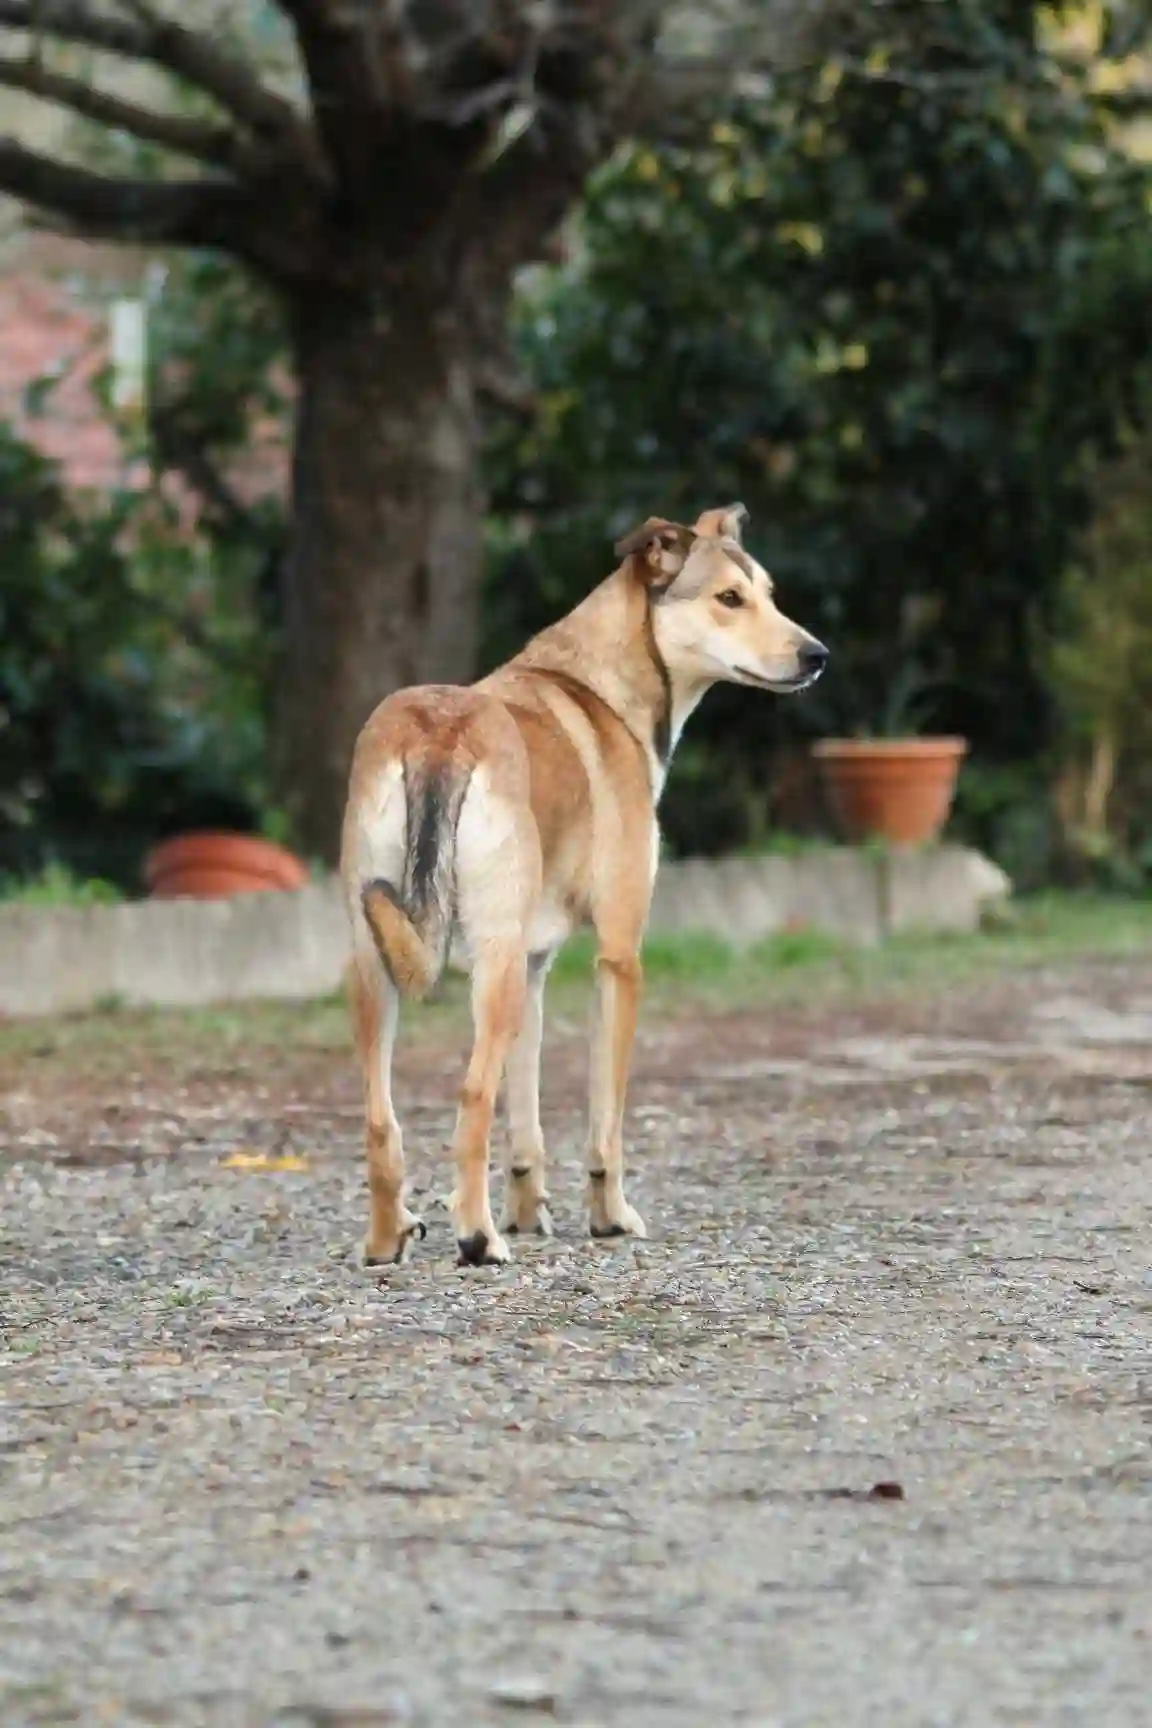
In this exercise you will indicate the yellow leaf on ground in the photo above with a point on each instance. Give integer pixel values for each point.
(264, 1161)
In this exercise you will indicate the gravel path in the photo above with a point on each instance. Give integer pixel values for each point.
(242, 1483)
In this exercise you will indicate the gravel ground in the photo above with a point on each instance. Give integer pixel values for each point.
(242, 1482)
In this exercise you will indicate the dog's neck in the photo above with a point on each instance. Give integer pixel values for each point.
(608, 643)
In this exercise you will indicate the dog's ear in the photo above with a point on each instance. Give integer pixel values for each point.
(659, 550)
(724, 524)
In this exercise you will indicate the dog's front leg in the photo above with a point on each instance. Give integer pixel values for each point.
(618, 981)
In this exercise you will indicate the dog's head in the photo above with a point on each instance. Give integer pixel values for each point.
(714, 613)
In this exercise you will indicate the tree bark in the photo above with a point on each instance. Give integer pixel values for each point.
(383, 571)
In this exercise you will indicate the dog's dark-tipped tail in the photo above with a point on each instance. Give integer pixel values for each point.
(412, 925)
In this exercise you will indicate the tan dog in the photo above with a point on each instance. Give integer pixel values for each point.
(509, 812)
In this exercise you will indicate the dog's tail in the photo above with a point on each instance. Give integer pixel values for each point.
(412, 925)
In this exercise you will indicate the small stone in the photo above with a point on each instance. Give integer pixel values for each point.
(525, 1692)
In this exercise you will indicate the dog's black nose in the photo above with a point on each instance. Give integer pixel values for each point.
(813, 658)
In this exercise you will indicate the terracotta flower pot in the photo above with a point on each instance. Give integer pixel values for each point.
(894, 789)
(210, 866)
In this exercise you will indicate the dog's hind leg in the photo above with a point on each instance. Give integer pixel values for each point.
(498, 884)
(375, 1011)
(525, 1194)
(498, 987)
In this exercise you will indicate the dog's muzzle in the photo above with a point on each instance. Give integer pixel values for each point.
(811, 658)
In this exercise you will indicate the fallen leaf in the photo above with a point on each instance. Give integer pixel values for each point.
(264, 1161)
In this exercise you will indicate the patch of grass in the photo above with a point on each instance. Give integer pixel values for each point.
(810, 965)
(780, 844)
(695, 957)
(56, 885)
(700, 959)
(790, 948)
(689, 958)
(1041, 930)
(1037, 932)
(225, 1041)
(700, 971)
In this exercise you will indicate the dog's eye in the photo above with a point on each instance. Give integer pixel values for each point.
(732, 598)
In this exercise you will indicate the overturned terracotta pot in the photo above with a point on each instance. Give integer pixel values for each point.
(213, 866)
(899, 790)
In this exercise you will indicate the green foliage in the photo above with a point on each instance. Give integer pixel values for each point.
(219, 404)
(1005, 809)
(895, 306)
(114, 726)
(56, 885)
(138, 629)
(218, 375)
(1099, 664)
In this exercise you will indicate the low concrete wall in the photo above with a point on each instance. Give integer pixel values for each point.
(190, 953)
(172, 953)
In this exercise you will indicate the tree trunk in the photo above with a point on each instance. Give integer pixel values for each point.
(384, 566)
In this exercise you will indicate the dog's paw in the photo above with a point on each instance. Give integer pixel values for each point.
(525, 1199)
(394, 1251)
(524, 1220)
(482, 1248)
(618, 1220)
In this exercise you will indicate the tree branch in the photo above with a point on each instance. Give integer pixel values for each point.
(513, 203)
(148, 36)
(198, 212)
(356, 71)
(201, 139)
(382, 53)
